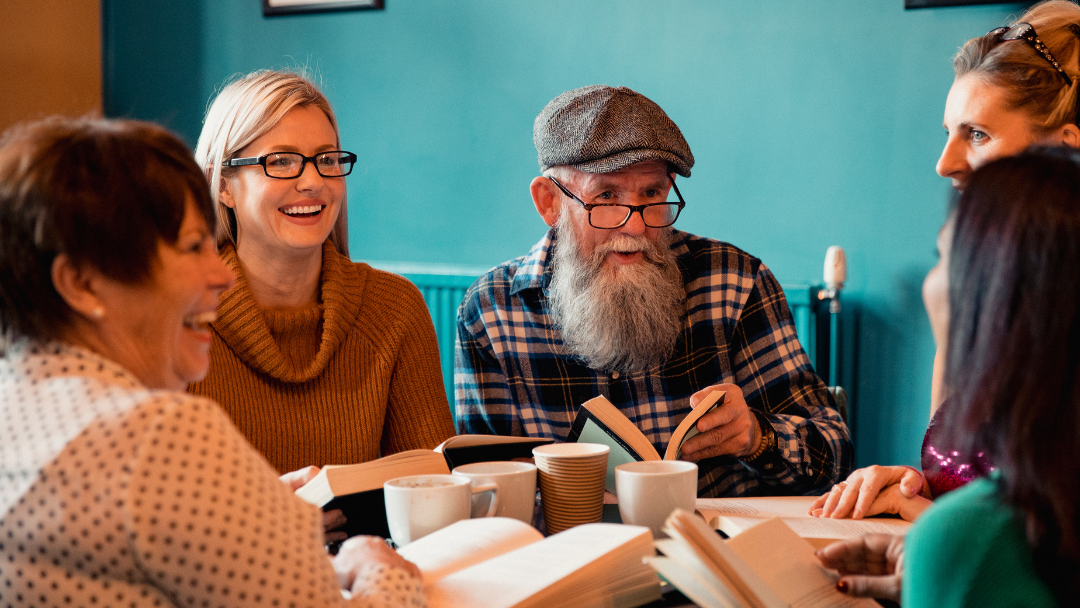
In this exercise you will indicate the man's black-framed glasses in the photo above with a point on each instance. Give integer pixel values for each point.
(1025, 32)
(290, 165)
(609, 217)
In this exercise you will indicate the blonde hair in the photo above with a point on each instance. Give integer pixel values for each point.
(1029, 81)
(244, 110)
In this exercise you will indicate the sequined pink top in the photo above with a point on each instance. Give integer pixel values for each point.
(944, 468)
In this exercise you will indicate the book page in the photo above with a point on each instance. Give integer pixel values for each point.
(735, 515)
(610, 416)
(468, 449)
(365, 476)
(765, 506)
(465, 543)
(592, 433)
(468, 441)
(718, 561)
(598, 421)
(688, 427)
(340, 480)
(684, 569)
(786, 563)
(513, 578)
(815, 527)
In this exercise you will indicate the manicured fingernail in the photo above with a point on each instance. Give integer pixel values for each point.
(842, 586)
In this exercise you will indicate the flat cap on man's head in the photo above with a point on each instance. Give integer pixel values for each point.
(600, 129)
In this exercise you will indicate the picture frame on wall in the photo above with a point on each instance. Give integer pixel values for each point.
(274, 8)
(942, 3)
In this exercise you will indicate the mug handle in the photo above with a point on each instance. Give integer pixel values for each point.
(493, 505)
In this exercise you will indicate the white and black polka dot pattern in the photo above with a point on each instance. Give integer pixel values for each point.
(115, 495)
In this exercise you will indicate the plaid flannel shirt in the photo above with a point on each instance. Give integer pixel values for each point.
(514, 376)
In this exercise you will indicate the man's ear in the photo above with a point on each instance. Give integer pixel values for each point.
(76, 286)
(1070, 136)
(546, 198)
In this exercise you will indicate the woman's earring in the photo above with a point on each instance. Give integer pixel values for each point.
(98, 312)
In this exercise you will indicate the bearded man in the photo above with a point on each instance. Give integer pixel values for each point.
(613, 301)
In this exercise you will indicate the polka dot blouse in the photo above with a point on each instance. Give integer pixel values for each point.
(112, 494)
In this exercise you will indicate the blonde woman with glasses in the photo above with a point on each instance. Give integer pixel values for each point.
(318, 360)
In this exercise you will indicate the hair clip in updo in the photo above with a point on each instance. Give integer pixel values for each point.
(1026, 32)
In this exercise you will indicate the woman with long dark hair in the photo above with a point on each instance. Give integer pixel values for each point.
(1013, 372)
(1005, 294)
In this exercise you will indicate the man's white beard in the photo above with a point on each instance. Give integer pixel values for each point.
(618, 317)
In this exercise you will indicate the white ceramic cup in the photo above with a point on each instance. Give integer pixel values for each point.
(517, 487)
(649, 491)
(418, 505)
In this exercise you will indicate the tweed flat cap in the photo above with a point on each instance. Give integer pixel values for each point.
(600, 129)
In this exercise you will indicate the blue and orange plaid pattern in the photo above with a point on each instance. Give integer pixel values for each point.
(514, 376)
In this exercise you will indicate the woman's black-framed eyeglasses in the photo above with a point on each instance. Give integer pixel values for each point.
(290, 165)
(1025, 32)
(609, 217)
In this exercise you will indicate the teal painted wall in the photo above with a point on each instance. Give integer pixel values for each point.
(814, 122)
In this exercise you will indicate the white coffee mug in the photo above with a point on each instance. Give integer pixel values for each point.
(517, 487)
(418, 505)
(649, 491)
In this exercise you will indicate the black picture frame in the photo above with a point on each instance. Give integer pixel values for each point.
(277, 8)
(940, 3)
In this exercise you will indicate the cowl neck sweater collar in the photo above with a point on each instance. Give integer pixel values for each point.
(243, 326)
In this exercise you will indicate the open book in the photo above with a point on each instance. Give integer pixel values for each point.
(499, 562)
(734, 516)
(767, 566)
(598, 421)
(356, 489)
(467, 449)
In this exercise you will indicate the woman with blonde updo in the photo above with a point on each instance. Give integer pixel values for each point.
(318, 360)
(1015, 87)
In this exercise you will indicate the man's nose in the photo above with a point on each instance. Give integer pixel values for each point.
(635, 224)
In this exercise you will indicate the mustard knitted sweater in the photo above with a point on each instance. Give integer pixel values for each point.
(348, 380)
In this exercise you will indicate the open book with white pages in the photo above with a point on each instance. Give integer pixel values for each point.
(733, 516)
(767, 566)
(497, 562)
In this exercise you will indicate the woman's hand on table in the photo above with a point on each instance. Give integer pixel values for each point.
(331, 519)
(361, 553)
(872, 491)
(871, 566)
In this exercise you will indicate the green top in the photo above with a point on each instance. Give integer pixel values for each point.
(969, 549)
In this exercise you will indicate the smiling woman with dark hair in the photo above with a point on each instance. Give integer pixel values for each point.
(116, 487)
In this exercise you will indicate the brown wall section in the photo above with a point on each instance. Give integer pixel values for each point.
(50, 59)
